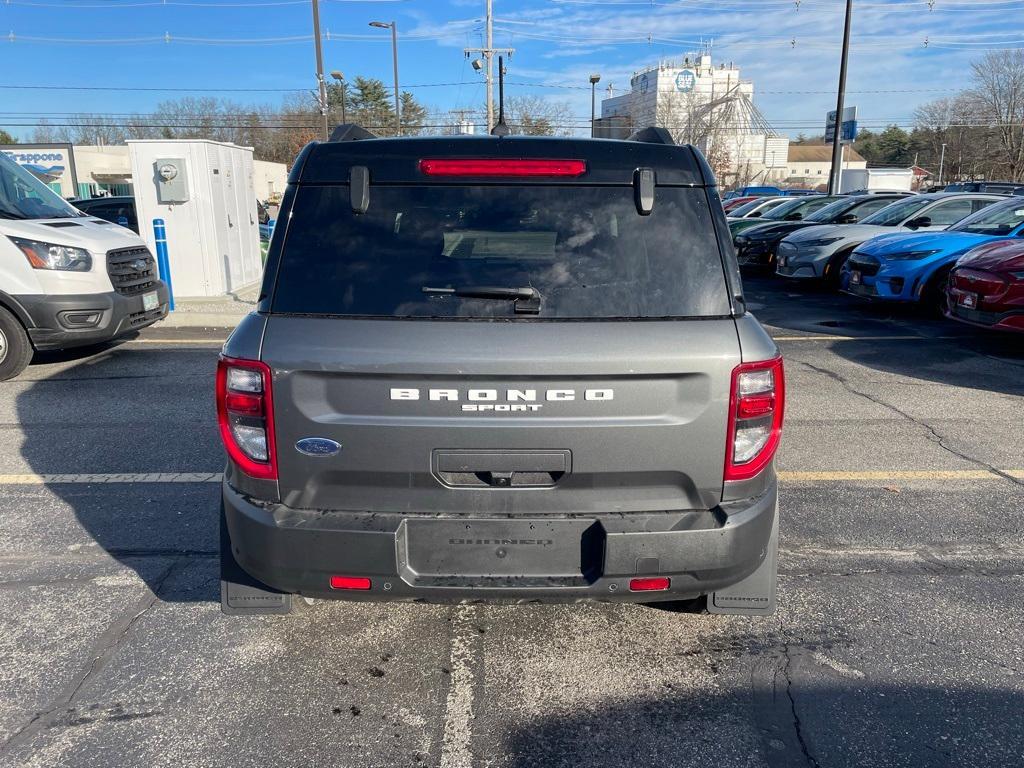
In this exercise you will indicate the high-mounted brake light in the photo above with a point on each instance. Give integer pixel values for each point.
(756, 404)
(245, 414)
(488, 167)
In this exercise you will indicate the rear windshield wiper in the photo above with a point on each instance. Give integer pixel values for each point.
(527, 299)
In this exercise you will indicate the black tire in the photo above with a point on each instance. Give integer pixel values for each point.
(834, 269)
(933, 297)
(15, 347)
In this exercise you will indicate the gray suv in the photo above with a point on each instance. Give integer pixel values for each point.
(500, 368)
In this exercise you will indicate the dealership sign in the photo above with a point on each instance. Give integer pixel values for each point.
(48, 162)
(685, 81)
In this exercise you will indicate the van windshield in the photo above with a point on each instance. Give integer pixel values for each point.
(23, 196)
(501, 252)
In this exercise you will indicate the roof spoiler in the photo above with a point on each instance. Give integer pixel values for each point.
(351, 132)
(652, 134)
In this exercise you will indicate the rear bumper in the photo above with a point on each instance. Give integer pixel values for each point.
(62, 321)
(456, 558)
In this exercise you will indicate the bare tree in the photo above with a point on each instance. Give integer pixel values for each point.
(999, 87)
(535, 116)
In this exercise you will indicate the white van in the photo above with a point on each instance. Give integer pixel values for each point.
(67, 279)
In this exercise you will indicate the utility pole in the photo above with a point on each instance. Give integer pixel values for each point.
(837, 138)
(322, 86)
(488, 54)
(942, 163)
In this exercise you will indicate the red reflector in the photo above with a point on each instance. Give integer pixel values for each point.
(244, 404)
(653, 584)
(752, 406)
(488, 167)
(349, 582)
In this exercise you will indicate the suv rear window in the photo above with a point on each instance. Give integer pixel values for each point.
(585, 249)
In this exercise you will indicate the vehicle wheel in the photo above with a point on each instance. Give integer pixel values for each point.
(15, 347)
(933, 297)
(240, 593)
(834, 269)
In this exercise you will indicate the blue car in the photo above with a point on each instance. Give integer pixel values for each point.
(914, 267)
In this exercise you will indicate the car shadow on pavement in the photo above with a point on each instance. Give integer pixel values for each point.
(809, 721)
(118, 414)
(948, 352)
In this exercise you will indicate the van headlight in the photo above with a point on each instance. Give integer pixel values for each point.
(51, 256)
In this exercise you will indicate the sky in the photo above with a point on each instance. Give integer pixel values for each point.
(903, 52)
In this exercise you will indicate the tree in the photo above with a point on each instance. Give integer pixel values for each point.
(999, 88)
(414, 115)
(6, 138)
(529, 115)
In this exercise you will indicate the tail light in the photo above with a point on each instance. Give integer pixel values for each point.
(480, 167)
(756, 404)
(245, 413)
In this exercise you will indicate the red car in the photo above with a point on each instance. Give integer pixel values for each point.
(987, 287)
(736, 202)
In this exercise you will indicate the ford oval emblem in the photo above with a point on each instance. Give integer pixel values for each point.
(317, 446)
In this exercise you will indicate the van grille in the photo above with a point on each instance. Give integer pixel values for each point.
(132, 270)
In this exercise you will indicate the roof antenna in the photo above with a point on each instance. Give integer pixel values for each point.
(500, 129)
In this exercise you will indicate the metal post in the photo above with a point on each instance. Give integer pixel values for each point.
(942, 163)
(343, 98)
(593, 113)
(162, 262)
(321, 85)
(836, 169)
(394, 54)
(489, 56)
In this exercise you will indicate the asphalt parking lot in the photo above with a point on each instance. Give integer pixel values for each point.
(897, 641)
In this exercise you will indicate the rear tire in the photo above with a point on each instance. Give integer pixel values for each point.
(15, 347)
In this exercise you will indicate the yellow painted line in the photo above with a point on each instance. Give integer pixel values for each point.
(119, 478)
(925, 474)
(823, 337)
(1018, 473)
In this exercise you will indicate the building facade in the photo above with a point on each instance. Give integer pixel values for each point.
(711, 107)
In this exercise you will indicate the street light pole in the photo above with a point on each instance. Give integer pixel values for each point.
(340, 77)
(394, 55)
(321, 85)
(942, 163)
(594, 80)
(836, 170)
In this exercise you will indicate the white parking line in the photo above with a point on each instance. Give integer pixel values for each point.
(122, 477)
(458, 707)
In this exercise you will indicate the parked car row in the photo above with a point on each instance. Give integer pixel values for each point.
(961, 253)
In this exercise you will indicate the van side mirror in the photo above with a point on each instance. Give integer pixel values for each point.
(794, 217)
(754, 215)
(918, 222)
(849, 218)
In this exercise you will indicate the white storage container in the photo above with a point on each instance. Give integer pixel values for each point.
(203, 190)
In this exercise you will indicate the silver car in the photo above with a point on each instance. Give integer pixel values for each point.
(818, 253)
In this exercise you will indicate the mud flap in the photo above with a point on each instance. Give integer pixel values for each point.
(755, 595)
(240, 593)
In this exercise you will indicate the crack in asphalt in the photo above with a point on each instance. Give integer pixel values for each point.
(797, 725)
(932, 434)
(109, 642)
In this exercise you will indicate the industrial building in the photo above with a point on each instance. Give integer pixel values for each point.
(709, 106)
